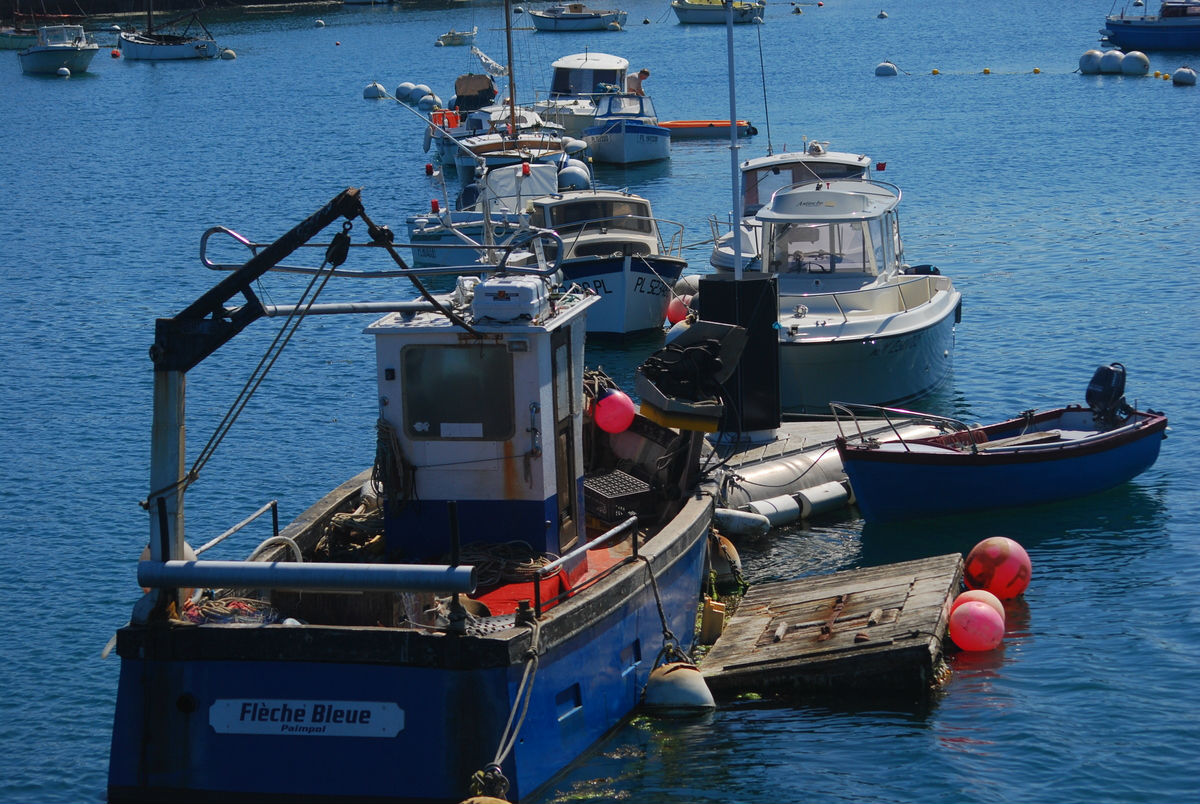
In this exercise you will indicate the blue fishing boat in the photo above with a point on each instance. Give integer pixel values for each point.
(1175, 27)
(625, 131)
(464, 617)
(1037, 457)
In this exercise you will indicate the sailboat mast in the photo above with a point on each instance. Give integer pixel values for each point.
(733, 149)
(149, 16)
(512, 81)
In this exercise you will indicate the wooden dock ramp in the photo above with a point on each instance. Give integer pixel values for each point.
(876, 630)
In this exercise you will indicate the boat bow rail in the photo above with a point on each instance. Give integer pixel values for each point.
(850, 418)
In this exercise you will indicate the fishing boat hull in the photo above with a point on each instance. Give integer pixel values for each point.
(634, 289)
(714, 12)
(879, 359)
(577, 21)
(627, 142)
(1175, 27)
(256, 714)
(893, 482)
(161, 47)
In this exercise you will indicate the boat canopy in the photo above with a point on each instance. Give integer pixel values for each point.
(763, 176)
(474, 91)
(588, 73)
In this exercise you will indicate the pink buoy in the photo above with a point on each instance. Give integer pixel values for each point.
(976, 626)
(981, 595)
(614, 411)
(999, 565)
(677, 309)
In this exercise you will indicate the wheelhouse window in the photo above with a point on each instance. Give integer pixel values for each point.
(628, 215)
(458, 392)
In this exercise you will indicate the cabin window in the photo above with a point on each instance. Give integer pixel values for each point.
(458, 392)
(760, 185)
(627, 215)
(584, 82)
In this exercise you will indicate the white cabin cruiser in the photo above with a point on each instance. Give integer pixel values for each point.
(762, 176)
(856, 323)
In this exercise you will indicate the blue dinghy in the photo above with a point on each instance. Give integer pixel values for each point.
(1034, 458)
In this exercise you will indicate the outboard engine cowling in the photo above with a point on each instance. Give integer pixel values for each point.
(1106, 392)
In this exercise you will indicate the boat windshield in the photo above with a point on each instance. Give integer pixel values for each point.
(625, 106)
(759, 185)
(850, 247)
(63, 35)
(569, 81)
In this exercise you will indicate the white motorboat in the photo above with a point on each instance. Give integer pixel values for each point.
(59, 46)
(761, 177)
(626, 131)
(577, 17)
(613, 245)
(453, 38)
(168, 42)
(856, 323)
(578, 81)
(714, 12)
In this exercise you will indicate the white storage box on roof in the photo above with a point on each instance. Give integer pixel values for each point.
(507, 298)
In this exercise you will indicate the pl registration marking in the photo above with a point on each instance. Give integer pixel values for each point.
(307, 718)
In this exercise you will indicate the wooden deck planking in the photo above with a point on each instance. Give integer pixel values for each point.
(877, 629)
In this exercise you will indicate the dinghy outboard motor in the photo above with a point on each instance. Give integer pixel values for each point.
(1106, 393)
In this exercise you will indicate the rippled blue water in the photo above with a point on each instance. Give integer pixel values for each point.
(1062, 205)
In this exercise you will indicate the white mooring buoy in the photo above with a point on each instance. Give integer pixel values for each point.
(228, 54)
(1135, 63)
(1110, 62)
(886, 68)
(320, 23)
(64, 72)
(677, 688)
(1184, 77)
(881, 15)
(374, 91)
(1089, 62)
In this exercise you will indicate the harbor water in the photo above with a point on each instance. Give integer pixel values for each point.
(1062, 205)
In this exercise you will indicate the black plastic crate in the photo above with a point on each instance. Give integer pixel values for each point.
(614, 495)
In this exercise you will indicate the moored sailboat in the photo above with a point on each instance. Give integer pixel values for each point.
(193, 41)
